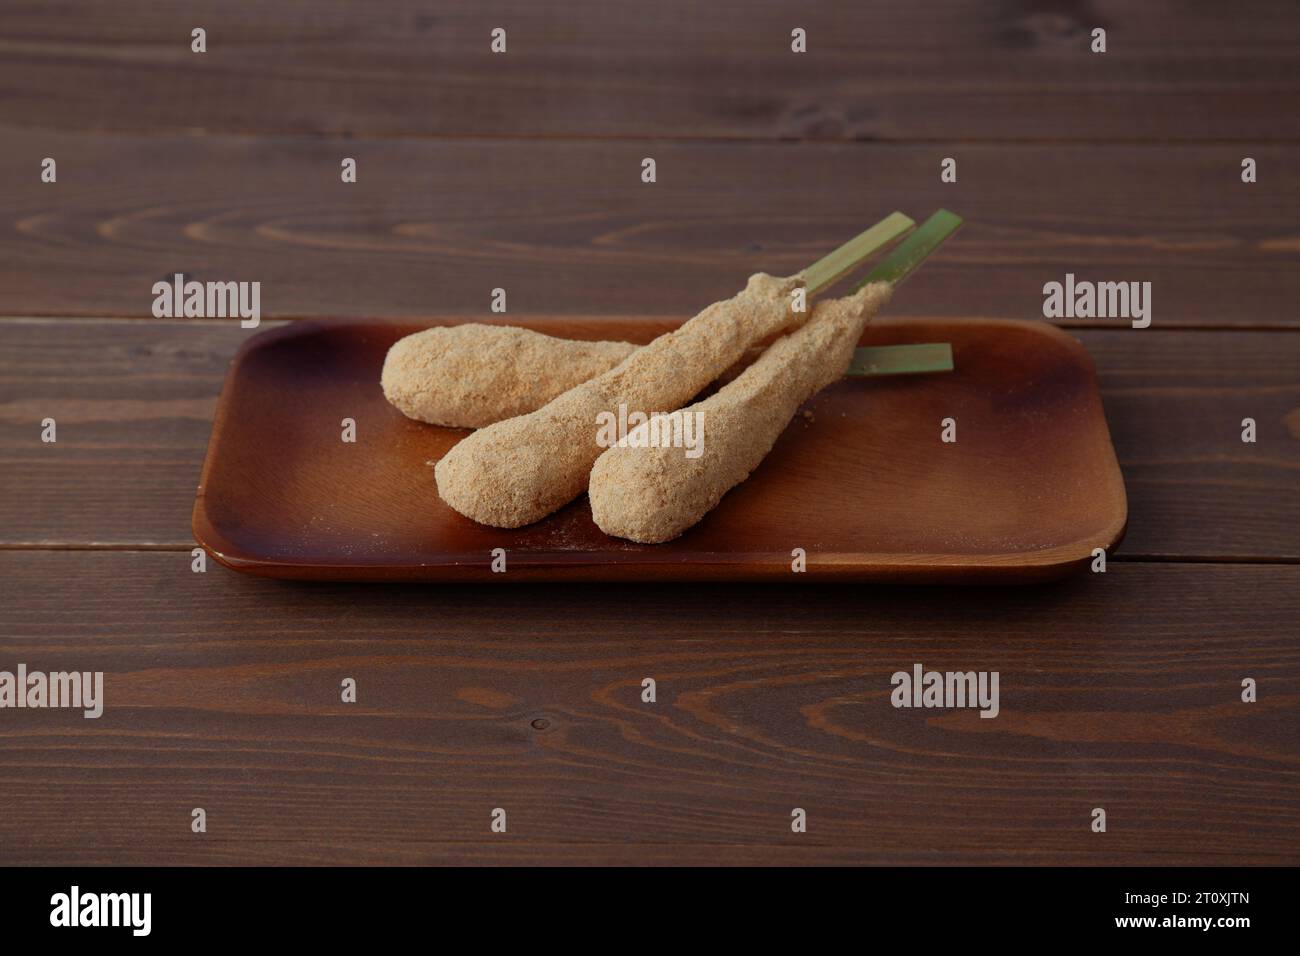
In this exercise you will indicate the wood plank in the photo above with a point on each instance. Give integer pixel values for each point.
(432, 227)
(1120, 691)
(134, 401)
(1175, 404)
(927, 69)
(133, 407)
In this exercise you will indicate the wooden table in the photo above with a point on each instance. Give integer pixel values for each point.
(477, 170)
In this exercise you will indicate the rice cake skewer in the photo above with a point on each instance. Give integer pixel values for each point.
(652, 494)
(521, 469)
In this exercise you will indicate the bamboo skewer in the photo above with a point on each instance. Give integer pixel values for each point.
(913, 250)
(829, 269)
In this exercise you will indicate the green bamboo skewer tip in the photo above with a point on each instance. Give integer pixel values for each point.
(894, 268)
(829, 269)
(913, 250)
(873, 360)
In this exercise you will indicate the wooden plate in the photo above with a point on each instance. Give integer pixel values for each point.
(861, 481)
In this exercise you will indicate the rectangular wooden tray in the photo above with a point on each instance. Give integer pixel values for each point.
(860, 481)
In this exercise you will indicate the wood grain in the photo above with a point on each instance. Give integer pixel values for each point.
(1120, 691)
(134, 403)
(928, 69)
(432, 227)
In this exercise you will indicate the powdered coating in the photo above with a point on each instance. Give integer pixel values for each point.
(652, 495)
(521, 469)
(468, 376)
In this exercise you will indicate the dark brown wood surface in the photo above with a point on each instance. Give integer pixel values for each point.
(521, 171)
(925, 69)
(1118, 691)
(568, 228)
